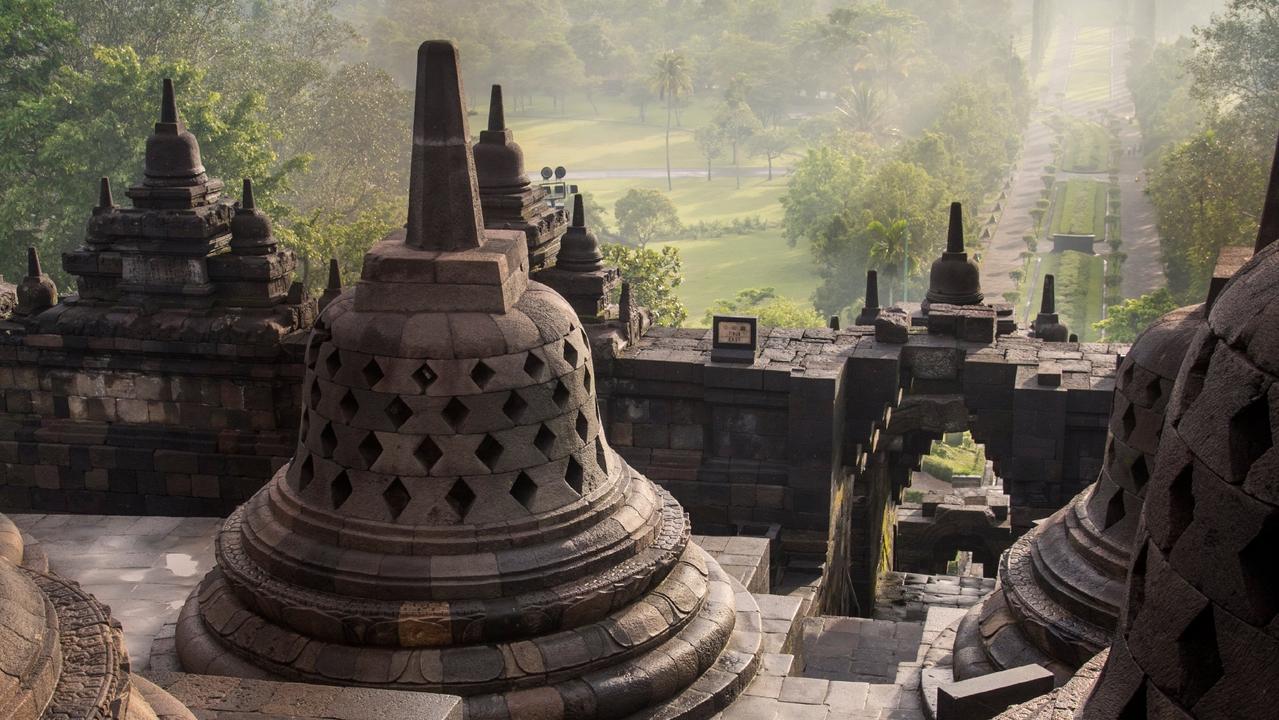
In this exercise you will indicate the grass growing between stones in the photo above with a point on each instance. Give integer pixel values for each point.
(1079, 208)
(955, 454)
(1079, 280)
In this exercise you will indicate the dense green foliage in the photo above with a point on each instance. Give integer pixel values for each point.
(654, 276)
(644, 215)
(262, 87)
(875, 191)
(1210, 108)
(1125, 321)
(772, 309)
(1080, 208)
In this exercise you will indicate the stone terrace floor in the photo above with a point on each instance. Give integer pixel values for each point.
(145, 567)
(818, 667)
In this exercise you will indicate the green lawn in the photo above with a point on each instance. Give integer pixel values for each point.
(699, 200)
(1079, 208)
(1079, 280)
(1090, 66)
(720, 267)
(614, 139)
(1087, 148)
(716, 268)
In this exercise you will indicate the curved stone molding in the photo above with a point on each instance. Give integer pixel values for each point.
(1062, 584)
(1198, 637)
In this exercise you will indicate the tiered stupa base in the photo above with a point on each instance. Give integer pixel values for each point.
(683, 648)
(1057, 597)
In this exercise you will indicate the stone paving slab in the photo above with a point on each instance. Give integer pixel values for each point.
(142, 567)
(745, 558)
(910, 596)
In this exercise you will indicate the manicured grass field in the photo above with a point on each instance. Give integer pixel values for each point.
(698, 200)
(1087, 148)
(1079, 208)
(720, 267)
(1078, 290)
(602, 145)
(1090, 66)
(614, 139)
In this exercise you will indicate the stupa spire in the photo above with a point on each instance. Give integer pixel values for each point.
(870, 310)
(36, 292)
(497, 115)
(334, 287)
(580, 248)
(105, 201)
(1048, 304)
(955, 234)
(954, 279)
(168, 105)
(173, 154)
(246, 197)
(444, 208)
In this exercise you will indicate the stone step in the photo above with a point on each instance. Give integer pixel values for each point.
(780, 614)
(857, 649)
(798, 698)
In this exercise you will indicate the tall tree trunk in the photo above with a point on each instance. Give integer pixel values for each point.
(708, 168)
(669, 98)
(737, 167)
(770, 168)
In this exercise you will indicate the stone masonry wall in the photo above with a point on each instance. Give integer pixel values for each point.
(142, 427)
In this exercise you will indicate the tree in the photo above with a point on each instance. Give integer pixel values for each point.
(710, 140)
(773, 310)
(819, 185)
(771, 143)
(1124, 322)
(738, 123)
(670, 81)
(1207, 193)
(865, 109)
(654, 276)
(889, 252)
(1236, 62)
(94, 122)
(644, 215)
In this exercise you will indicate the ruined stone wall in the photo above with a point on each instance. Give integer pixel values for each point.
(142, 427)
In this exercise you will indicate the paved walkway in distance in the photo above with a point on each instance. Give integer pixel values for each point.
(1143, 270)
(1003, 251)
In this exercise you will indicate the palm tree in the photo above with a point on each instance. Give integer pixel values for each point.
(888, 57)
(671, 80)
(889, 251)
(865, 109)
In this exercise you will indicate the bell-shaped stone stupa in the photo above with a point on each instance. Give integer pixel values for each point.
(454, 519)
